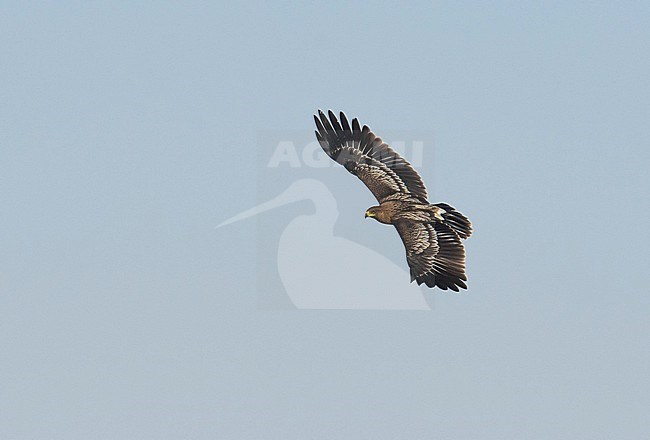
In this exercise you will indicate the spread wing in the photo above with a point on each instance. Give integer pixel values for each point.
(365, 155)
(434, 253)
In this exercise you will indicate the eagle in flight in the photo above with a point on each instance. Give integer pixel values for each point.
(431, 233)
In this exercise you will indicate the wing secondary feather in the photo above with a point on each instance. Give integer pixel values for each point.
(434, 254)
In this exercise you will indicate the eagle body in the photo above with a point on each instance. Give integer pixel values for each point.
(431, 233)
(404, 208)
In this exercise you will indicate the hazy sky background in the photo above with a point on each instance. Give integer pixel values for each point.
(128, 131)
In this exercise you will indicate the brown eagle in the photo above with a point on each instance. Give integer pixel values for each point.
(431, 233)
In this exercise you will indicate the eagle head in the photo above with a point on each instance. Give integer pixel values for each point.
(378, 213)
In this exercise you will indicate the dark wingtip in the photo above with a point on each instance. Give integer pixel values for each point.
(319, 125)
(345, 125)
(454, 283)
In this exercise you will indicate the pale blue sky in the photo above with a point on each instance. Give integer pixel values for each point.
(128, 131)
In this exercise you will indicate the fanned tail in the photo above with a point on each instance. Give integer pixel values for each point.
(457, 221)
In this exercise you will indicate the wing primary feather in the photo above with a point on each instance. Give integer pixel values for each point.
(356, 133)
(335, 123)
(344, 123)
(327, 125)
(319, 126)
(346, 131)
